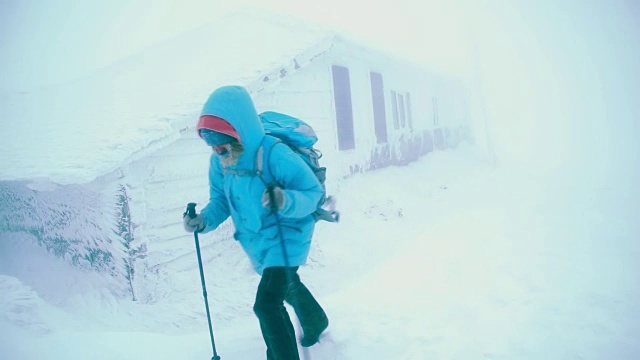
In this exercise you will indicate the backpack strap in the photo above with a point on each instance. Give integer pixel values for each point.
(244, 172)
(264, 157)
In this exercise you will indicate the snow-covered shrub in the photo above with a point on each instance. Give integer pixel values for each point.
(125, 232)
(407, 147)
(76, 222)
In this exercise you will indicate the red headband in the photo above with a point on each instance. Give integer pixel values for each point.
(215, 123)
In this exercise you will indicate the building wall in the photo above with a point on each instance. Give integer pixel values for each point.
(404, 143)
(160, 186)
(304, 94)
(437, 107)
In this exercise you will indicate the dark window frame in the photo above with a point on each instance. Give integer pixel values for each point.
(343, 107)
(402, 110)
(394, 109)
(409, 111)
(379, 107)
(436, 115)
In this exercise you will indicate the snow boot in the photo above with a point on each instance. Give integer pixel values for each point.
(311, 335)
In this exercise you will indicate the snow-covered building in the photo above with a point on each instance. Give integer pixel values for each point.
(369, 108)
(113, 158)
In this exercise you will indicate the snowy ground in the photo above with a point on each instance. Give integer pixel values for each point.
(443, 259)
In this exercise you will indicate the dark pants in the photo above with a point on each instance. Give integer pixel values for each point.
(279, 284)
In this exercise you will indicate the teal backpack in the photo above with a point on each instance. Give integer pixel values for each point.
(300, 137)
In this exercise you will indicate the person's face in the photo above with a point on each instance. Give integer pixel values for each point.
(229, 153)
(223, 149)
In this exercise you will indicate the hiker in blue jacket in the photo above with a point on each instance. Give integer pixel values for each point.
(230, 124)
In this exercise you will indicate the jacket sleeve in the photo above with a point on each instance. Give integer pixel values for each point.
(302, 190)
(217, 210)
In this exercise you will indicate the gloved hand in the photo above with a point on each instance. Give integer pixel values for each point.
(193, 224)
(278, 195)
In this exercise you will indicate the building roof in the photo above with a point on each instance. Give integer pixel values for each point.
(76, 132)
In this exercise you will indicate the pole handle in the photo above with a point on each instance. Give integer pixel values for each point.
(191, 210)
(272, 198)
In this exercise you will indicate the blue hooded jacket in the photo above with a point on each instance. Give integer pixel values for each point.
(240, 196)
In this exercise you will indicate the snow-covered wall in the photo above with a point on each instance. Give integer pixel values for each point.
(159, 187)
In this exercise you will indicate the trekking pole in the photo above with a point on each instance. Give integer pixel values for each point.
(191, 211)
(274, 209)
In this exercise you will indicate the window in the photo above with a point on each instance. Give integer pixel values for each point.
(379, 110)
(409, 119)
(401, 104)
(403, 121)
(394, 108)
(344, 110)
(436, 116)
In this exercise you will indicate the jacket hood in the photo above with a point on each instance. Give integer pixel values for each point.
(234, 105)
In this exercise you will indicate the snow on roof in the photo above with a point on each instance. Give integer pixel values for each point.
(76, 132)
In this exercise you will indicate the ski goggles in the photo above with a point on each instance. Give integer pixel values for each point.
(214, 138)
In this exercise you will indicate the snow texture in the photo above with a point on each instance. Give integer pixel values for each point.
(488, 264)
